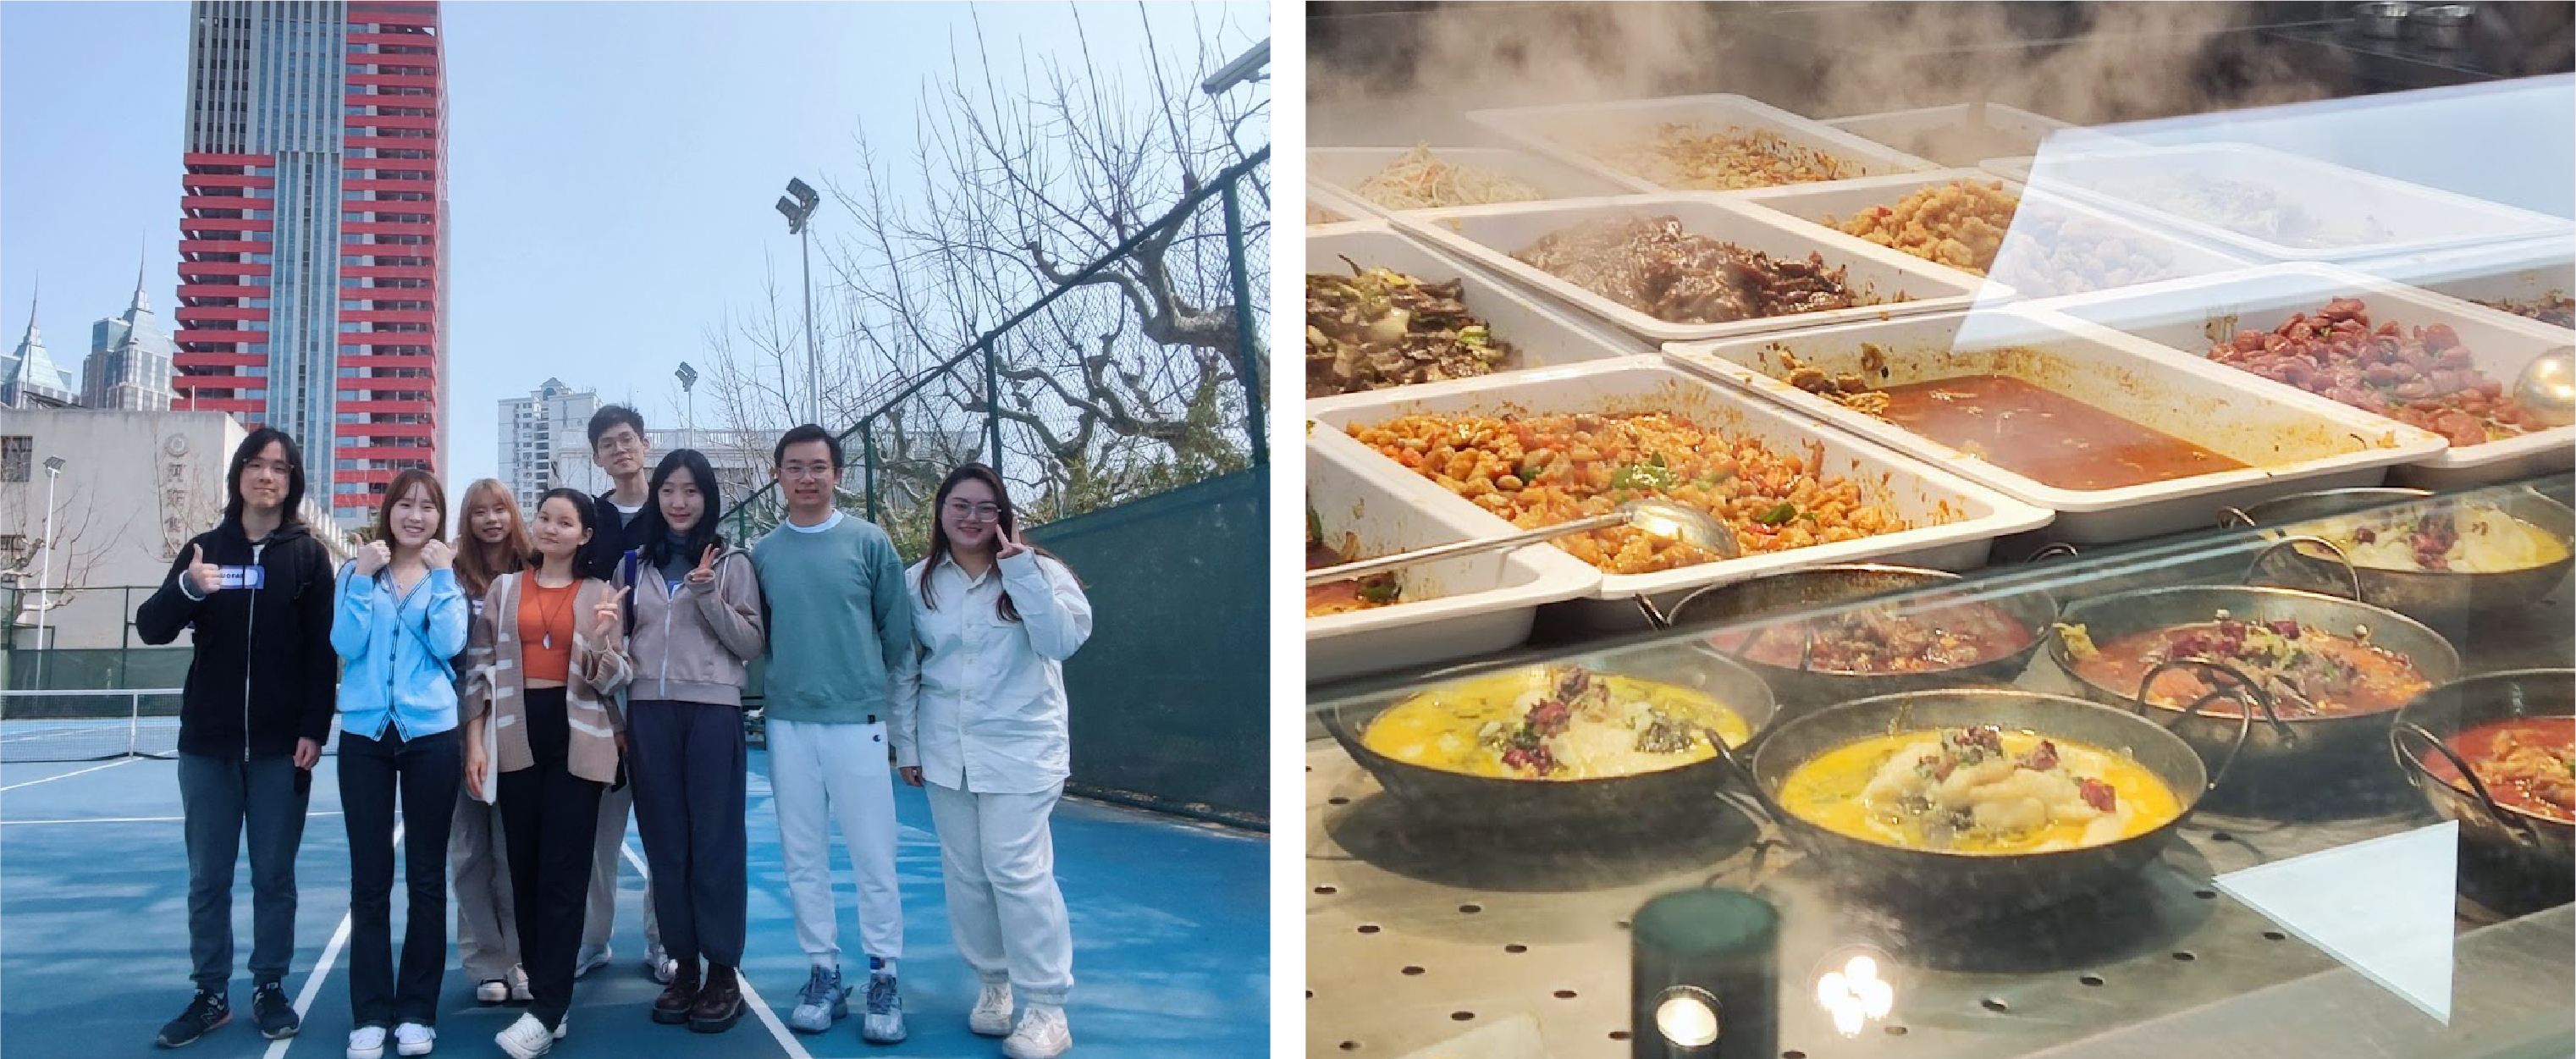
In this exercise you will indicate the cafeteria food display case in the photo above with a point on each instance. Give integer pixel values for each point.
(2139, 620)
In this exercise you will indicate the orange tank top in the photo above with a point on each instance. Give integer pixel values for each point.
(545, 629)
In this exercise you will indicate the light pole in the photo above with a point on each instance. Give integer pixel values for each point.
(44, 596)
(798, 206)
(689, 419)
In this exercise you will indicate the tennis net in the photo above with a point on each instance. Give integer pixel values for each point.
(88, 725)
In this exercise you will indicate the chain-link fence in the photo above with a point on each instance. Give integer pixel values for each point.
(1139, 374)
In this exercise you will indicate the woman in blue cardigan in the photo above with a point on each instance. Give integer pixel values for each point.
(399, 619)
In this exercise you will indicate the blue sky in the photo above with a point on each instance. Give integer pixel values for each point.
(610, 175)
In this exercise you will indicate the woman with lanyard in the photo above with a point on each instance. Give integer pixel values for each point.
(547, 661)
(487, 934)
(979, 718)
(399, 622)
(696, 627)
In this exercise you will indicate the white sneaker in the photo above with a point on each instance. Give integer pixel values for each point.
(412, 1038)
(992, 1014)
(367, 1042)
(590, 959)
(527, 1038)
(1042, 1034)
(660, 965)
(519, 993)
(492, 991)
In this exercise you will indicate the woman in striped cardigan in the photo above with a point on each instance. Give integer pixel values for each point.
(544, 732)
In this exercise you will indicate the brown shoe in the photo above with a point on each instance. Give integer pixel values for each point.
(672, 1007)
(719, 1004)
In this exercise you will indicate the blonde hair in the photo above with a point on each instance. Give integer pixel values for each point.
(477, 563)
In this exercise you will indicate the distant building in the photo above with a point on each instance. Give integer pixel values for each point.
(545, 442)
(29, 379)
(129, 360)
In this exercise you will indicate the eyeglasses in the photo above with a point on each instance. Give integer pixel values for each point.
(805, 470)
(978, 512)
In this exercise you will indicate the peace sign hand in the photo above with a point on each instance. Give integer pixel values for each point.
(607, 616)
(706, 569)
(1011, 544)
(208, 577)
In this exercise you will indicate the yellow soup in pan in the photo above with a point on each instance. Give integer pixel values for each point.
(1979, 790)
(1555, 723)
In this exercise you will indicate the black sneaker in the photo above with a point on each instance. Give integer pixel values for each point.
(274, 1013)
(207, 1011)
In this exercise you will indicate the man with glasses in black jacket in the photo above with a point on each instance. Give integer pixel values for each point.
(262, 684)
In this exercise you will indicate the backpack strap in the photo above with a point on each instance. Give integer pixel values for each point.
(627, 571)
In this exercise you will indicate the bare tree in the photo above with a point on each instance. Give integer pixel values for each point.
(1028, 168)
(81, 541)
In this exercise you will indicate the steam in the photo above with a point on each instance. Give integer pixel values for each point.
(2089, 64)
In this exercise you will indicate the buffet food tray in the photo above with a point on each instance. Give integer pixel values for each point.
(1489, 235)
(1336, 209)
(1913, 491)
(2290, 443)
(1461, 607)
(1341, 171)
(2415, 218)
(1543, 335)
(1918, 131)
(2024, 254)
(2512, 272)
(2193, 314)
(1541, 128)
(1417, 934)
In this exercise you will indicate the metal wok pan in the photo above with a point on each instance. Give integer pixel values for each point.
(2277, 742)
(1804, 591)
(1991, 883)
(2309, 562)
(1612, 802)
(2544, 846)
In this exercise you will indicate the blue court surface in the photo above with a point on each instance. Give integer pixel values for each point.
(1170, 931)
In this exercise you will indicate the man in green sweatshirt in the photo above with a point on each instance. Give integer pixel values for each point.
(838, 621)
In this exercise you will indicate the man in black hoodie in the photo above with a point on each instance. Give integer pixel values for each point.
(619, 447)
(262, 686)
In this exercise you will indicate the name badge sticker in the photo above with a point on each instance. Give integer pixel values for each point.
(244, 577)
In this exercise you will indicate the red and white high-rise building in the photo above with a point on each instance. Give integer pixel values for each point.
(313, 244)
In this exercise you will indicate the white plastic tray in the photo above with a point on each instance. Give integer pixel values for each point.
(1347, 211)
(1917, 492)
(2416, 218)
(1458, 608)
(1488, 235)
(1542, 335)
(2290, 444)
(2186, 314)
(2022, 263)
(1933, 132)
(2511, 272)
(1341, 171)
(1545, 130)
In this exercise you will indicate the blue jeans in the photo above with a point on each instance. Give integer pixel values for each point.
(221, 797)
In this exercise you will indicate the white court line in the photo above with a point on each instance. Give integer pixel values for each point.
(330, 954)
(750, 996)
(56, 733)
(127, 819)
(68, 775)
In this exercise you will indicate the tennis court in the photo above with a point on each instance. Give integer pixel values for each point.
(1169, 921)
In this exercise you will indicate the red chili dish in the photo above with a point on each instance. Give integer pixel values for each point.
(2419, 376)
(2526, 763)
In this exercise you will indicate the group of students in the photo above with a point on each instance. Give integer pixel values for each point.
(503, 701)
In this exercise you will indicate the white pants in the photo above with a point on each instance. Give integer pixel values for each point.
(1003, 904)
(487, 934)
(607, 858)
(818, 772)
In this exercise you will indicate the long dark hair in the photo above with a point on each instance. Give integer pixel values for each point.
(971, 472)
(657, 531)
(581, 553)
(250, 449)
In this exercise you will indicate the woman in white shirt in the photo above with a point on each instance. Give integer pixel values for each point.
(979, 719)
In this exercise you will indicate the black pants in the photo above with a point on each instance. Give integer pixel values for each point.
(222, 796)
(687, 764)
(425, 772)
(549, 818)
